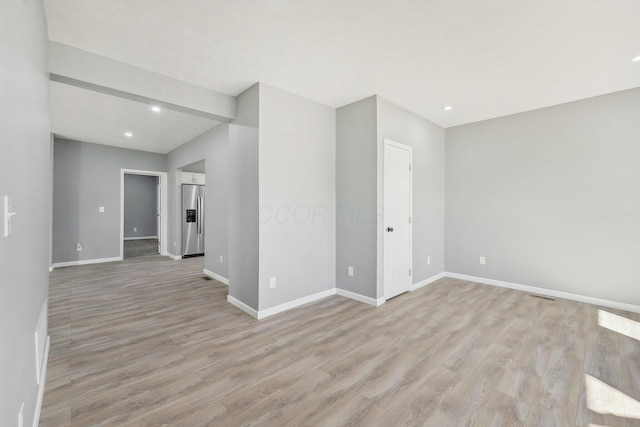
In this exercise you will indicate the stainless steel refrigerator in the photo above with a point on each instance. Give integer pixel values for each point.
(192, 220)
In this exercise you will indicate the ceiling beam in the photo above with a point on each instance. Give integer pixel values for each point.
(87, 70)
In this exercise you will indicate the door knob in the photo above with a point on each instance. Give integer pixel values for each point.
(389, 229)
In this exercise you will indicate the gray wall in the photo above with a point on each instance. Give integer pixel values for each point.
(197, 167)
(140, 205)
(356, 196)
(549, 197)
(297, 196)
(428, 142)
(212, 148)
(243, 200)
(362, 128)
(25, 176)
(217, 202)
(243, 214)
(86, 176)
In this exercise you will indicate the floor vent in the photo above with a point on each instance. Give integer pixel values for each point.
(542, 297)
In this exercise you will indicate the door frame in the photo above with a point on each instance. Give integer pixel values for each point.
(164, 207)
(391, 143)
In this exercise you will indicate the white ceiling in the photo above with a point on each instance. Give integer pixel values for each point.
(486, 58)
(89, 116)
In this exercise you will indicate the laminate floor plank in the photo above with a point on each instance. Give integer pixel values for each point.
(268, 386)
(461, 405)
(472, 349)
(229, 377)
(524, 376)
(288, 405)
(556, 402)
(501, 410)
(630, 364)
(416, 405)
(152, 342)
(601, 400)
(183, 414)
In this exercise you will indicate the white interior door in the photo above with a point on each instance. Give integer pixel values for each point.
(158, 213)
(397, 218)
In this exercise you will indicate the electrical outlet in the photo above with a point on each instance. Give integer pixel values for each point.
(221, 259)
(21, 416)
(428, 260)
(101, 209)
(272, 282)
(350, 271)
(483, 260)
(135, 229)
(79, 247)
(174, 243)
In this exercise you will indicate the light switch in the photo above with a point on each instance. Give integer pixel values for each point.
(7, 214)
(101, 209)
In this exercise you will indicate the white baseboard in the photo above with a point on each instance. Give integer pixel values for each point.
(242, 306)
(215, 276)
(295, 303)
(547, 292)
(174, 257)
(361, 298)
(141, 238)
(40, 339)
(42, 379)
(85, 262)
(425, 282)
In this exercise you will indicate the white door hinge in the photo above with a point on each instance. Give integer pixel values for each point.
(409, 272)
(409, 166)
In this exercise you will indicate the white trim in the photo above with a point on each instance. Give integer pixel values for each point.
(295, 303)
(164, 207)
(173, 257)
(215, 276)
(360, 298)
(141, 238)
(85, 262)
(43, 377)
(41, 331)
(427, 281)
(547, 292)
(242, 306)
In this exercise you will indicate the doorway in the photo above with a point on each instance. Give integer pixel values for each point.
(143, 229)
(398, 185)
(141, 215)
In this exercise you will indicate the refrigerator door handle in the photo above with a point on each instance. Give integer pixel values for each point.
(199, 215)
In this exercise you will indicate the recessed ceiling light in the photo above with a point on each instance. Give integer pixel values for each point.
(128, 134)
(447, 108)
(636, 59)
(156, 109)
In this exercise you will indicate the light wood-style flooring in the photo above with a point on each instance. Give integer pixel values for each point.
(150, 341)
(140, 247)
